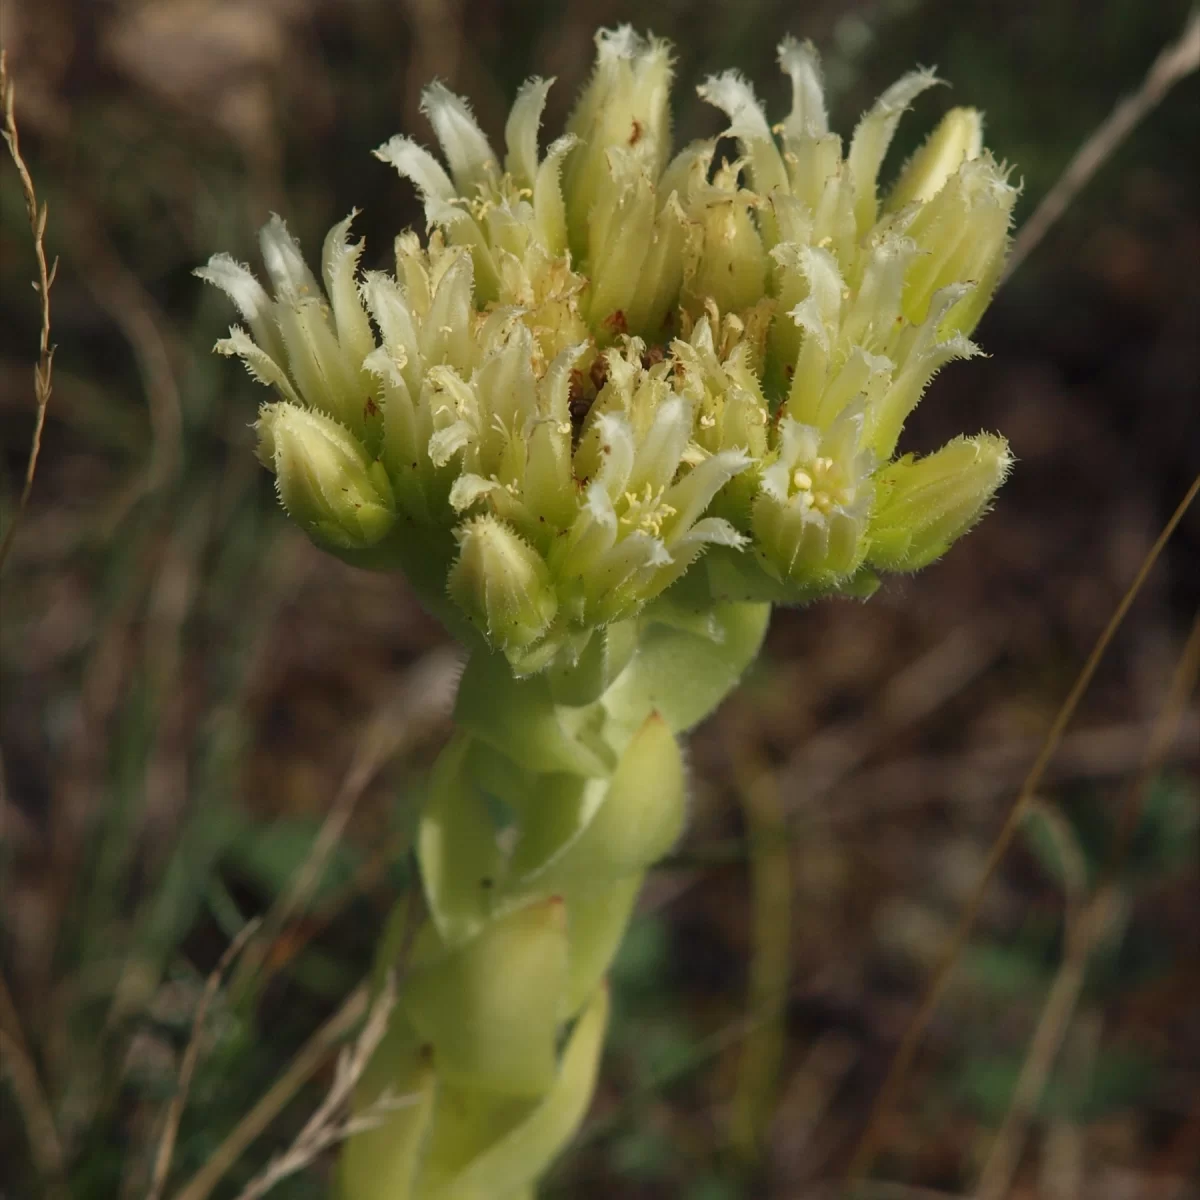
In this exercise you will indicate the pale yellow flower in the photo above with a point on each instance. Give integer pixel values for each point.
(611, 361)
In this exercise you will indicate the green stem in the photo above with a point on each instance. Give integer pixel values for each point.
(542, 820)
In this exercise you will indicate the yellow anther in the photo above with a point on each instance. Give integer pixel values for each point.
(647, 511)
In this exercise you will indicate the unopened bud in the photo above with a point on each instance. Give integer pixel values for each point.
(623, 106)
(732, 266)
(958, 138)
(502, 584)
(927, 504)
(963, 234)
(324, 477)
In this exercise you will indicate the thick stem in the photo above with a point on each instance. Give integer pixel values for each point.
(541, 822)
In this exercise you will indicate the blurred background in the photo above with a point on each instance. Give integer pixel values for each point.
(187, 684)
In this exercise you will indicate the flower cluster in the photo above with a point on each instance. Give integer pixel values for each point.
(611, 365)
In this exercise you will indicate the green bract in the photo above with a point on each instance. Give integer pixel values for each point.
(620, 399)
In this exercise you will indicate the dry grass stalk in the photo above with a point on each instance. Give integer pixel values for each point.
(1087, 923)
(1176, 62)
(166, 1145)
(312, 1054)
(1084, 931)
(43, 372)
(868, 1144)
(1093, 925)
(16, 1063)
(358, 1006)
(331, 1123)
(423, 695)
(1166, 728)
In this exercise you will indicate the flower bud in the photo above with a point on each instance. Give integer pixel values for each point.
(623, 106)
(502, 584)
(324, 477)
(620, 230)
(963, 235)
(927, 504)
(958, 138)
(731, 265)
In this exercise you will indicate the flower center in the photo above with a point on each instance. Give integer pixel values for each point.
(647, 511)
(822, 484)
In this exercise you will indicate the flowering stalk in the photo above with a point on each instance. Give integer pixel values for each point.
(618, 403)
